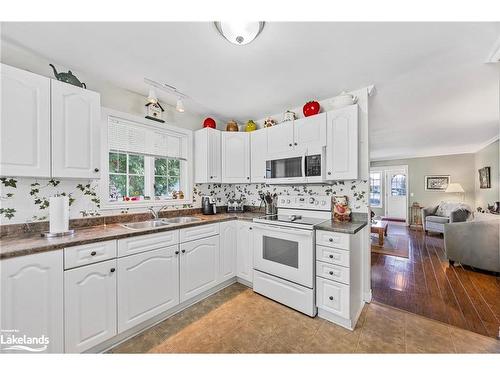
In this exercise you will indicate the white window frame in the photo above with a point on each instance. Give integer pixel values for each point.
(382, 173)
(186, 166)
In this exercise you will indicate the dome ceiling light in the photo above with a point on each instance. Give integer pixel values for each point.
(239, 33)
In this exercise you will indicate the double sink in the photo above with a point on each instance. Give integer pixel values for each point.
(158, 223)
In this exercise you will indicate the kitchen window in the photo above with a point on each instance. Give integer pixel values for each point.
(376, 189)
(146, 165)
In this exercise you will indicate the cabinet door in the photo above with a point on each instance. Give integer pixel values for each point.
(333, 297)
(75, 131)
(235, 157)
(244, 251)
(342, 144)
(32, 299)
(199, 266)
(214, 156)
(207, 153)
(258, 155)
(280, 138)
(148, 284)
(89, 306)
(310, 132)
(25, 123)
(227, 263)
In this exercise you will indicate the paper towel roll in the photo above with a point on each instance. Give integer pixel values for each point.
(58, 214)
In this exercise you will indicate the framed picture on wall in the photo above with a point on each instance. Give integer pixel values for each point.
(484, 178)
(436, 183)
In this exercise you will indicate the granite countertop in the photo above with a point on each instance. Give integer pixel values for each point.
(31, 243)
(350, 227)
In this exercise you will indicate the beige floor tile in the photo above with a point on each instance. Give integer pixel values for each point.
(372, 342)
(424, 335)
(141, 343)
(470, 342)
(247, 337)
(330, 338)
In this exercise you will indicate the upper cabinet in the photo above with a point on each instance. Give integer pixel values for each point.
(235, 157)
(258, 152)
(310, 132)
(75, 131)
(342, 144)
(25, 123)
(207, 155)
(280, 138)
(34, 108)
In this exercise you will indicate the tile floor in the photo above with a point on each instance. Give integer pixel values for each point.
(237, 320)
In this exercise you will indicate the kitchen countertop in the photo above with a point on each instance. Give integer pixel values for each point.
(350, 227)
(32, 243)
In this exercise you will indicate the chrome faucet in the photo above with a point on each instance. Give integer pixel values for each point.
(156, 214)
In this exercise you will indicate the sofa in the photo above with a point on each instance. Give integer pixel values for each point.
(434, 218)
(474, 243)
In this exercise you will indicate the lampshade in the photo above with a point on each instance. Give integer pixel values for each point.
(455, 188)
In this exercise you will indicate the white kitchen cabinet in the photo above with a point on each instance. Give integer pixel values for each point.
(235, 157)
(244, 251)
(227, 262)
(342, 144)
(89, 305)
(310, 132)
(199, 266)
(207, 156)
(25, 123)
(148, 284)
(32, 298)
(75, 131)
(333, 297)
(280, 138)
(258, 155)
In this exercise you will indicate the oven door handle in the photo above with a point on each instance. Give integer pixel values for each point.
(303, 165)
(294, 231)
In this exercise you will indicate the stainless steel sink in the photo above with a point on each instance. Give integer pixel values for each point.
(182, 220)
(147, 224)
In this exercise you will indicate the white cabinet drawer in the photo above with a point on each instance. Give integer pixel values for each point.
(331, 255)
(332, 297)
(333, 239)
(199, 231)
(139, 244)
(76, 256)
(333, 272)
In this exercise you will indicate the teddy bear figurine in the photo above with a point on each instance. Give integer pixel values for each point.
(341, 210)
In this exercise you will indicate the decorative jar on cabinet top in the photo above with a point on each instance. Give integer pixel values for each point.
(232, 126)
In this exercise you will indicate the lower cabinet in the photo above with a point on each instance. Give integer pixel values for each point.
(227, 261)
(333, 297)
(89, 305)
(199, 266)
(244, 257)
(32, 299)
(148, 284)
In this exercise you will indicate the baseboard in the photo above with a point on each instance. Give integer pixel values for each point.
(367, 296)
(385, 218)
(244, 282)
(141, 327)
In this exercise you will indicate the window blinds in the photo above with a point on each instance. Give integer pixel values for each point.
(133, 137)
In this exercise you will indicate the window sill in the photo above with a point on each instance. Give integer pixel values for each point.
(144, 204)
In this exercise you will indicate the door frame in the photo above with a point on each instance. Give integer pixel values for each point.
(385, 184)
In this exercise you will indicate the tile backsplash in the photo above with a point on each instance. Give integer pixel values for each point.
(25, 200)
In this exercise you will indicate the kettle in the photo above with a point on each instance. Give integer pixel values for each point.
(208, 206)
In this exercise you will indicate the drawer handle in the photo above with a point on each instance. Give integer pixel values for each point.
(183, 251)
(330, 239)
(336, 257)
(96, 170)
(330, 298)
(331, 272)
(334, 273)
(112, 270)
(176, 252)
(93, 253)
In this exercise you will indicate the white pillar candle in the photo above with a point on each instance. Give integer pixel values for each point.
(58, 214)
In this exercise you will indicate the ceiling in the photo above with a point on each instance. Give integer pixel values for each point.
(434, 93)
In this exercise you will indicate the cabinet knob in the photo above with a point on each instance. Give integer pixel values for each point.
(183, 251)
(330, 239)
(330, 298)
(112, 270)
(250, 228)
(248, 178)
(331, 272)
(96, 170)
(329, 173)
(93, 253)
(176, 252)
(290, 145)
(295, 143)
(331, 256)
(211, 177)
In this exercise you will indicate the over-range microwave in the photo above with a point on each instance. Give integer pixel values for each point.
(295, 167)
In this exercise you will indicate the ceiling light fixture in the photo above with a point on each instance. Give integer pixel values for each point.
(238, 32)
(180, 105)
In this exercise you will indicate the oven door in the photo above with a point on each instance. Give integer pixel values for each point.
(284, 252)
(283, 169)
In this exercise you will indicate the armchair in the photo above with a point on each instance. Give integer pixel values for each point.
(434, 218)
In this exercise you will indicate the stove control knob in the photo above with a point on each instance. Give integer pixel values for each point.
(311, 200)
(316, 203)
(323, 203)
(288, 201)
(282, 200)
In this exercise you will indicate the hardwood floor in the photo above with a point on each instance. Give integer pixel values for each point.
(427, 285)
